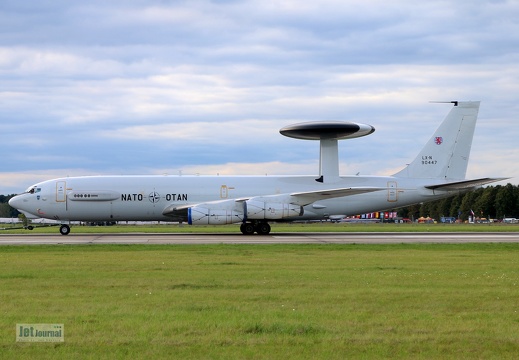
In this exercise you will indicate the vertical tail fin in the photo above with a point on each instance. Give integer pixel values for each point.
(446, 154)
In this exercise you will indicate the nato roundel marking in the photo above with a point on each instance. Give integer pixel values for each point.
(319, 130)
(154, 197)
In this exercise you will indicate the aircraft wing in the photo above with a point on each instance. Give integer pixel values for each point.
(297, 198)
(308, 197)
(464, 184)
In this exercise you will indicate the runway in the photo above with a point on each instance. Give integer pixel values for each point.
(280, 238)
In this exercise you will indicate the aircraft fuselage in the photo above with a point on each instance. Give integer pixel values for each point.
(144, 198)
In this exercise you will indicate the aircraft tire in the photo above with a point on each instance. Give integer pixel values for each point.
(263, 228)
(247, 228)
(64, 229)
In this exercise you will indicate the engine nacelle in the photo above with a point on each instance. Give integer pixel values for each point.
(205, 215)
(260, 210)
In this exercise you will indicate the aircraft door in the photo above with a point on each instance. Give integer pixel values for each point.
(61, 194)
(224, 192)
(392, 192)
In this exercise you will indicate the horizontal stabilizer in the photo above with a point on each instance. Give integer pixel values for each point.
(465, 184)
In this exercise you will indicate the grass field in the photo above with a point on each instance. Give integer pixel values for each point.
(264, 301)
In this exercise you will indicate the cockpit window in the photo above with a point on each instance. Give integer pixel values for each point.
(34, 190)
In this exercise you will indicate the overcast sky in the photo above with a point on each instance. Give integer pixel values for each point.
(203, 87)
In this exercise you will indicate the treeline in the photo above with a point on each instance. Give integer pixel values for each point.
(492, 202)
(5, 210)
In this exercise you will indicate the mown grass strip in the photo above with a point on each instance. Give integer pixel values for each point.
(278, 228)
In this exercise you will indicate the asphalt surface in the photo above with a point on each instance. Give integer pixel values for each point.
(279, 238)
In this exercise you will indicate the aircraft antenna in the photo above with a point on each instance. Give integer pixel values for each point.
(328, 133)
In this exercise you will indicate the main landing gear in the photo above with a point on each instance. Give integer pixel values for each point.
(260, 227)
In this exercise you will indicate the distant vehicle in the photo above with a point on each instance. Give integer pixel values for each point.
(437, 172)
(447, 219)
(510, 221)
(401, 220)
(426, 220)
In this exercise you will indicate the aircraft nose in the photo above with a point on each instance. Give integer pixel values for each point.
(16, 202)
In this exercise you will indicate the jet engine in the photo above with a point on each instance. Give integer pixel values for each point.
(260, 210)
(219, 213)
(235, 211)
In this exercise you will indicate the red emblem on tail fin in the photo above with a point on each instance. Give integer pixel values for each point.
(438, 140)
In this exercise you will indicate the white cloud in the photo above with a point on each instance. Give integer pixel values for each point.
(83, 85)
(19, 181)
(214, 133)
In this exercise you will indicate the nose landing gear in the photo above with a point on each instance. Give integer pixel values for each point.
(64, 229)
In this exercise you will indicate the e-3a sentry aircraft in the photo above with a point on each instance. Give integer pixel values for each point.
(437, 172)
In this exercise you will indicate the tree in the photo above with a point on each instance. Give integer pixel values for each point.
(455, 206)
(494, 201)
(484, 204)
(466, 205)
(7, 211)
(506, 202)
